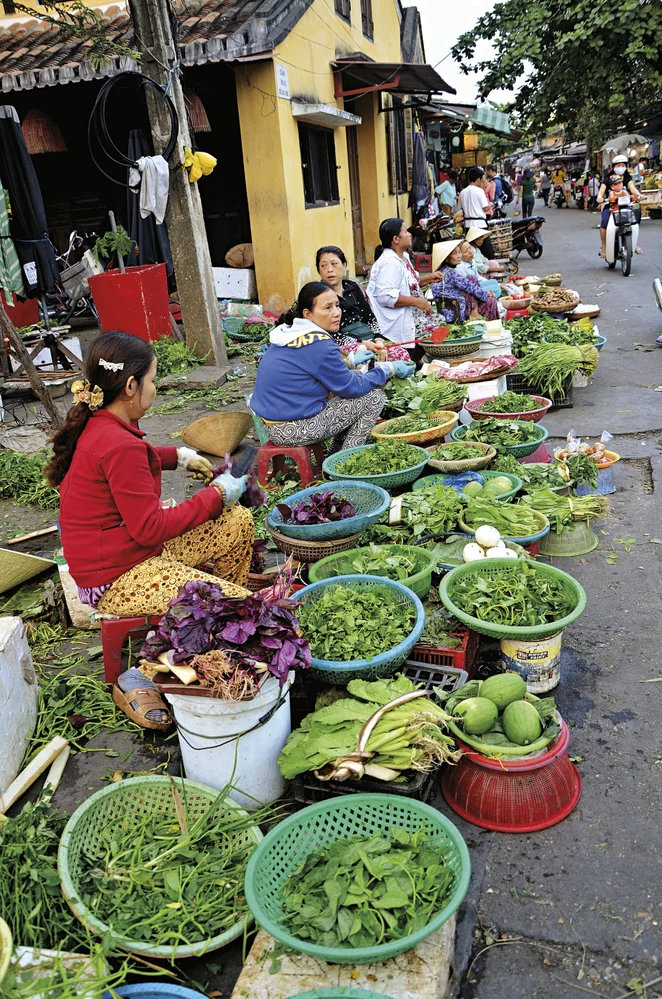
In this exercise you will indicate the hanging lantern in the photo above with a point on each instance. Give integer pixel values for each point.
(42, 134)
(197, 113)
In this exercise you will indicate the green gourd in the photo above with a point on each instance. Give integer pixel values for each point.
(478, 715)
(521, 723)
(503, 688)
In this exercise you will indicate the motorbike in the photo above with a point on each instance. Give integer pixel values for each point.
(526, 236)
(499, 209)
(559, 196)
(622, 233)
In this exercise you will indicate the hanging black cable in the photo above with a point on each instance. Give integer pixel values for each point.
(97, 126)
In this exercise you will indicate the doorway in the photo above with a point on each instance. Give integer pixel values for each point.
(355, 194)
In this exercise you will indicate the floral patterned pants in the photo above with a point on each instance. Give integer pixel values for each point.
(348, 420)
(223, 546)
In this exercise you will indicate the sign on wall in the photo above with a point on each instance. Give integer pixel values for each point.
(283, 82)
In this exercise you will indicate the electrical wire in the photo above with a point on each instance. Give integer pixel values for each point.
(97, 126)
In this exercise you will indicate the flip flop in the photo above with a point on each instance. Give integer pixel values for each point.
(146, 700)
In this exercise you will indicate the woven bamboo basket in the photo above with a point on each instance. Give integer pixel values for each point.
(219, 433)
(311, 551)
(466, 464)
(19, 567)
(447, 420)
(557, 308)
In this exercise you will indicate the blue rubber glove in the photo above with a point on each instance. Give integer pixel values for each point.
(233, 488)
(360, 356)
(403, 369)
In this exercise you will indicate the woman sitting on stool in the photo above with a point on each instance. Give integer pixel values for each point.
(305, 391)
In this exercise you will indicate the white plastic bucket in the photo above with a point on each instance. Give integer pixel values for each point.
(538, 663)
(238, 741)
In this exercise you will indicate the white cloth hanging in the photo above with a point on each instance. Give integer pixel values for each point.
(151, 175)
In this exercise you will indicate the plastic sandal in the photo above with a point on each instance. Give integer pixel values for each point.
(148, 700)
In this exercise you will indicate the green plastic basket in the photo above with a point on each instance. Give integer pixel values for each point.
(493, 567)
(387, 480)
(338, 565)
(517, 450)
(581, 540)
(116, 803)
(6, 948)
(288, 845)
(385, 664)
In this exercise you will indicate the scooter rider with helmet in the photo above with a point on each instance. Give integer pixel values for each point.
(615, 175)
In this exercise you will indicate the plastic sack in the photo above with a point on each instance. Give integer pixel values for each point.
(459, 481)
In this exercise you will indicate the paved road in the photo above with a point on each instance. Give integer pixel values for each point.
(585, 897)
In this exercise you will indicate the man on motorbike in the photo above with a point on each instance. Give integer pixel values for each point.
(559, 181)
(615, 182)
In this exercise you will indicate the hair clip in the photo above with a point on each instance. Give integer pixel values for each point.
(111, 366)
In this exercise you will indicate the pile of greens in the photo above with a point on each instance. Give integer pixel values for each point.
(379, 459)
(582, 469)
(516, 595)
(165, 876)
(511, 520)
(528, 331)
(510, 402)
(456, 452)
(410, 425)
(173, 356)
(346, 623)
(408, 737)
(462, 331)
(366, 891)
(427, 511)
(22, 479)
(273, 498)
(421, 394)
(549, 368)
(533, 476)
(379, 560)
(440, 626)
(564, 511)
(501, 433)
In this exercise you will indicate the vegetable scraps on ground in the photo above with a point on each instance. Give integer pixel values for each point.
(379, 459)
(22, 479)
(407, 737)
(516, 595)
(318, 508)
(256, 632)
(345, 623)
(502, 433)
(368, 890)
(169, 876)
(510, 402)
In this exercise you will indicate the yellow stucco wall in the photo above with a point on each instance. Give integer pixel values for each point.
(285, 233)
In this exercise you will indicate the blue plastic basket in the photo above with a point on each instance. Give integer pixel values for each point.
(386, 663)
(387, 480)
(153, 990)
(369, 501)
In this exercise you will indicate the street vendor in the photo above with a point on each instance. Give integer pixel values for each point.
(474, 301)
(306, 390)
(394, 289)
(128, 553)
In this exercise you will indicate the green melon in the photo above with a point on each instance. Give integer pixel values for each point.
(472, 488)
(521, 723)
(505, 483)
(478, 714)
(503, 688)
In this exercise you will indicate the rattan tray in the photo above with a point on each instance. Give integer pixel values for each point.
(466, 465)
(311, 551)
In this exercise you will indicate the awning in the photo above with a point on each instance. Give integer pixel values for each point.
(498, 121)
(324, 114)
(360, 76)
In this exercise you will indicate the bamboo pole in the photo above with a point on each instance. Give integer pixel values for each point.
(8, 329)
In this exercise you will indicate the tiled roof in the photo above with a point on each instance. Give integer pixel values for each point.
(36, 54)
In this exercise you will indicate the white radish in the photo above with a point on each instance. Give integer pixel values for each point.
(472, 552)
(487, 537)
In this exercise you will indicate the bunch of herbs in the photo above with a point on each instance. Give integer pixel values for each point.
(173, 356)
(433, 510)
(516, 595)
(510, 402)
(379, 459)
(378, 560)
(456, 452)
(421, 394)
(501, 433)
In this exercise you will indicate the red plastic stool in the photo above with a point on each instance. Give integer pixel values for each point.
(113, 635)
(301, 456)
(515, 313)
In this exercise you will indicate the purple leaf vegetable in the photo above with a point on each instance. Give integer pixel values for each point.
(253, 495)
(318, 508)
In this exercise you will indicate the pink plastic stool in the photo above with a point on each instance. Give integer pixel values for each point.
(301, 456)
(113, 635)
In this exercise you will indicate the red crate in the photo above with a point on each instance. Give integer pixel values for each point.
(463, 657)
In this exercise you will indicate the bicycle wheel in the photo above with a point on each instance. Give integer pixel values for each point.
(626, 253)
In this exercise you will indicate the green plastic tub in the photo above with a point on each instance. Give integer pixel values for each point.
(387, 480)
(338, 565)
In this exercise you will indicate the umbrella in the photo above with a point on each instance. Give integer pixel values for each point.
(150, 238)
(620, 143)
(29, 227)
(11, 276)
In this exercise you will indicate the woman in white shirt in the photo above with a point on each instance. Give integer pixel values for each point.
(393, 289)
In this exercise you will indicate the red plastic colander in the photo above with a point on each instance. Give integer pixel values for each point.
(515, 796)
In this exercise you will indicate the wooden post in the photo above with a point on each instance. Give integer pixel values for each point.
(8, 329)
(186, 227)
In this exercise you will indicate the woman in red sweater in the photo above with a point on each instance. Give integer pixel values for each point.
(127, 552)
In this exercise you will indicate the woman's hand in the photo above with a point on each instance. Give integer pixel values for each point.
(190, 460)
(423, 305)
(230, 488)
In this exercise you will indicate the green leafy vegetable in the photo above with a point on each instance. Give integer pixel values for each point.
(564, 511)
(528, 331)
(421, 394)
(516, 595)
(366, 891)
(510, 402)
(392, 561)
(172, 356)
(378, 459)
(511, 520)
(22, 479)
(583, 469)
(501, 433)
(427, 511)
(344, 623)
(456, 452)
(410, 425)
(549, 368)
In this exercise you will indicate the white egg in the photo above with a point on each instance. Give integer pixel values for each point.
(472, 552)
(487, 537)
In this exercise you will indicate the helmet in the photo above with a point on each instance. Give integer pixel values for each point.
(621, 158)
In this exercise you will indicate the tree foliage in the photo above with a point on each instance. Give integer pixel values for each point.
(74, 18)
(592, 65)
